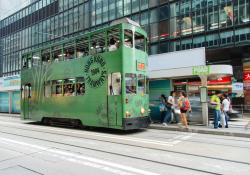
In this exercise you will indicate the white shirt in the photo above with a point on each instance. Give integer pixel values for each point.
(226, 105)
(171, 100)
(112, 47)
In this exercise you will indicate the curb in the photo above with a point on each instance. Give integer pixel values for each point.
(9, 115)
(202, 131)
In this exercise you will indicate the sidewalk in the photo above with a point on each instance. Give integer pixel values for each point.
(236, 128)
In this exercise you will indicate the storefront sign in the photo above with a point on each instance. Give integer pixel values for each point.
(201, 70)
(10, 83)
(246, 76)
(237, 89)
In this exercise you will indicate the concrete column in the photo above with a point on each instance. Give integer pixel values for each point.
(10, 102)
(204, 105)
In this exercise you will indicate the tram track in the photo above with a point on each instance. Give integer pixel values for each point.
(119, 143)
(118, 154)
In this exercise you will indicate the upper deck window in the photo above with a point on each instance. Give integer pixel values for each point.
(140, 42)
(97, 43)
(113, 39)
(128, 38)
(69, 51)
(57, 53)
(82, 47)
(46, 56)
(36, 58)
(27, 61)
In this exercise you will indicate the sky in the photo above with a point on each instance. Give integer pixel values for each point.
(8, 7)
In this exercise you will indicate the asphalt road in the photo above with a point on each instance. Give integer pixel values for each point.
(28, 148)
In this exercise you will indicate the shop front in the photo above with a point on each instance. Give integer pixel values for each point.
(10, 94)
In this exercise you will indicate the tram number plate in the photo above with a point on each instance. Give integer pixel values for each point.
(140, 66)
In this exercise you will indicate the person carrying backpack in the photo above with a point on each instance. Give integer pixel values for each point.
(184, 105)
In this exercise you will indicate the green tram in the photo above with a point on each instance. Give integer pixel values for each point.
(96, 79)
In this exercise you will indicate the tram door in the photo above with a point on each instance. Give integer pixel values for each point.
(114, 100)
(26, 95)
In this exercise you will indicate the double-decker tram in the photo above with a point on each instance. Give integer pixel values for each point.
(95, 79)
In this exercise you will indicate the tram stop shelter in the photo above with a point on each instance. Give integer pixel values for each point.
(163, 68)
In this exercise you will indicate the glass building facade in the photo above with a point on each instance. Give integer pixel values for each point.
(172, 25)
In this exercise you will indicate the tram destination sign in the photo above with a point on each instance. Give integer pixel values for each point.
(201, 70)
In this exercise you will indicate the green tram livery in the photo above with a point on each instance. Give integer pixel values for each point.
(96, 79)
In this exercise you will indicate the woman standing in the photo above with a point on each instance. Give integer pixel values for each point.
(184, 105)
(162, 107)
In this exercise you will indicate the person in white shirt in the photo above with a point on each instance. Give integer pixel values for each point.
(225, 108)
(112, 45)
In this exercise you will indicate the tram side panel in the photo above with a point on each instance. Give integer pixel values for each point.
(93, 108)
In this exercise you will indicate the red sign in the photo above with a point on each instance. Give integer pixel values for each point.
(140, 66)
(222, 80)
(246, 76)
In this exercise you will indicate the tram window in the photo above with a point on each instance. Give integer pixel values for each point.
(57, 88)
(46, 56)
(69, 51)
(36, 58)
(27, 61)
(80, 86)
(82, 47)
(69, 87)
(57, 53)
(98, 43)
(130, 80)
(47, 89)
(140, 42)
(114, 82)
(113, 39)
(141, 84)
(24, 61)
(128, 38)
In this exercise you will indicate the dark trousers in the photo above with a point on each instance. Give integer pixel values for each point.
(163, 114)
(167, 117)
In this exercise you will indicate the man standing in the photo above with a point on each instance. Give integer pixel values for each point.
(216, 103)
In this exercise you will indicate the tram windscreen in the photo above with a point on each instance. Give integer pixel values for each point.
(130, 80)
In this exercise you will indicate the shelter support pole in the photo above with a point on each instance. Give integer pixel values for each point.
(204, 105)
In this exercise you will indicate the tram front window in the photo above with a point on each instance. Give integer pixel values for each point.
(141, 84)
(128, 38)
(130, 80)
(140, 42)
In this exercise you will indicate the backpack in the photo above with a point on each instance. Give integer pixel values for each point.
(185, 104)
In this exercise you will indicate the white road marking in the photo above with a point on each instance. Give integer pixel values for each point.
(85, 160)
(170, 143)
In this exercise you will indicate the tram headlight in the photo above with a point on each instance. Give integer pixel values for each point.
(128, 114)
(142, 110)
